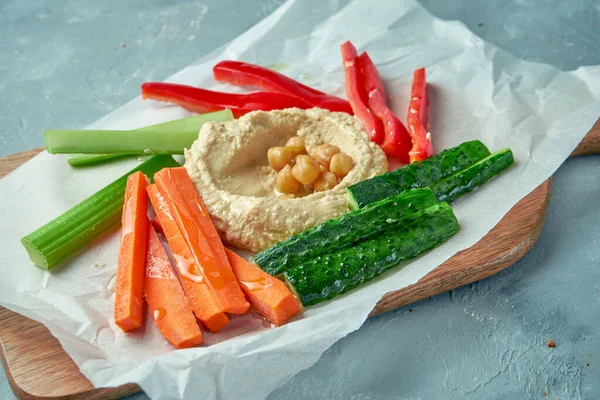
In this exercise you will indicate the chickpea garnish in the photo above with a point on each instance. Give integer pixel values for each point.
(341, 164)
(306, 169)
(279, 157)
(324, 152)
(326, 181)
(296, 145)
(286, 182)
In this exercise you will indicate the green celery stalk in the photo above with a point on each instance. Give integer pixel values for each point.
(63, 236)
(78, 160)
(116, 142)
(190, 125)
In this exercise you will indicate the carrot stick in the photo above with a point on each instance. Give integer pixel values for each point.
(129, 302)
(201, 236)
(165, 297)
(270, 296)
(200, 296)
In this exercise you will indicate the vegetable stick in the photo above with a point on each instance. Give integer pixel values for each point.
(189, 124)
(397, 142)
(417, 121)
(358, 98)
(201, 100)
(170, 309)
(270, 296)
(117, 142)
(201, 236)
(63, 236)
(245, 74)
(78, 160)
(129, 303)
(201, 298)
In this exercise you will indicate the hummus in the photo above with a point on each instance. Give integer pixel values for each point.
(228, 163)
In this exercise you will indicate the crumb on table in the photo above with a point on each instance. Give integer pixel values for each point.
(551, 343)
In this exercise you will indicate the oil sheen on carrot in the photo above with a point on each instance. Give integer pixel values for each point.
(202, 238)
(270, 296)
(201, 298)
(169, 307)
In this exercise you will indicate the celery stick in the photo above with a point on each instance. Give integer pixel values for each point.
(189, 124)
(58, 239)
(78, 160)
(117, 142)
(166, 138)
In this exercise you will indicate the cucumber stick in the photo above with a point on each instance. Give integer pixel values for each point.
(332, 274)
(58, 239)
(343, 231)
(416, 175)
(476, 175)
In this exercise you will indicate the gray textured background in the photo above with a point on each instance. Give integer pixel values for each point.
(63, 64)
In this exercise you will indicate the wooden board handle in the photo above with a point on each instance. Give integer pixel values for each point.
(590, 143)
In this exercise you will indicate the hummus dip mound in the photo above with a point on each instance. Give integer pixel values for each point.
(228, 163)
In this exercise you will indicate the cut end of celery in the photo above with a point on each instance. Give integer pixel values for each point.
(36, 257)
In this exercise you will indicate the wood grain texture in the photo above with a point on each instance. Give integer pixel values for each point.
(38, 368)
(506, 243)
(9, 163)
(590, 143)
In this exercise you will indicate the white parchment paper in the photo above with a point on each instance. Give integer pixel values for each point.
(477, 92)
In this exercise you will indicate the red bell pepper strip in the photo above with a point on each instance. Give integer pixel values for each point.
(355, 89)
(417, 118)
(397, 142)
(244, 74)
(201, 100)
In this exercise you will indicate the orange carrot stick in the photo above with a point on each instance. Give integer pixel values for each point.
(165, 297)
(129, 302)
(201, 236)
(270, 296)
(200, 296)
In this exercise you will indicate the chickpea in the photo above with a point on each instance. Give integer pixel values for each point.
(279, 157)
(296, 145)
(326, 181)
(341, 164)
(324, 152)
(285, 182)
(306, 169)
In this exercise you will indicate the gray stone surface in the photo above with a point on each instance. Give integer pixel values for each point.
(63, 65)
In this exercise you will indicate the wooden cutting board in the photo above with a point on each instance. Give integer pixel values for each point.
(38, 368)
